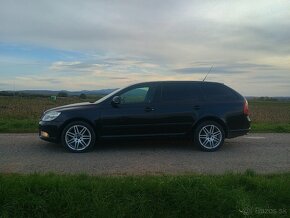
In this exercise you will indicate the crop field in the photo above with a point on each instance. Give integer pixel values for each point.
(21, 114)
(270, 116)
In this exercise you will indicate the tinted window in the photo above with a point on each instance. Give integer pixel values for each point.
(180, 92)
(218, 92)
(135, 95)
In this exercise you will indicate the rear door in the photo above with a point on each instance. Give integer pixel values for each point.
(178, 106)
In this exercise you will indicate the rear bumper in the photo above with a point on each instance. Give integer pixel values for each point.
(242, 127)
(49, 131)
(238, 132)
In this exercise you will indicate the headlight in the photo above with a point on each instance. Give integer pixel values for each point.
(49, 116)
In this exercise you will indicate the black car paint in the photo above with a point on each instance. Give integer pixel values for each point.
(151, 119)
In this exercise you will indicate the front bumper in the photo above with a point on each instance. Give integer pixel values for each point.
(50, 131)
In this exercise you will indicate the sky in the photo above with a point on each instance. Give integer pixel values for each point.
(99, 44)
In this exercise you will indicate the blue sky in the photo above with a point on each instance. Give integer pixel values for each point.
(77, 45)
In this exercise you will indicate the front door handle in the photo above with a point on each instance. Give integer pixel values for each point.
(148, 109)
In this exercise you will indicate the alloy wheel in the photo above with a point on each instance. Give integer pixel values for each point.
(210, 136)
(78, 137)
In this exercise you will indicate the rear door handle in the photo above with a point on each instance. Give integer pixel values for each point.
(148, 109)
(196, 107)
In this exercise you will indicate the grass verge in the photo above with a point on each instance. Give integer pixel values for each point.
(270, 127)
(12, 125)
(230, 195)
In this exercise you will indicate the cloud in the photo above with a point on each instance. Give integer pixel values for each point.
(231, 68)
(113, 43)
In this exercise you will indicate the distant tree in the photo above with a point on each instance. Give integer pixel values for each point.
(83, 96)
(62, 94)
(6, 93)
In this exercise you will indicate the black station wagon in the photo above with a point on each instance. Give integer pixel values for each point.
(207, 112)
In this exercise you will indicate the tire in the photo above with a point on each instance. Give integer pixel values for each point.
(78, 137)
(209, 136)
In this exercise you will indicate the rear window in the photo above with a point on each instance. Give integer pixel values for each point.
(219, 92)
(176, 92)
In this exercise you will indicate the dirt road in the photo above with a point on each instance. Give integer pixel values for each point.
(264, 153)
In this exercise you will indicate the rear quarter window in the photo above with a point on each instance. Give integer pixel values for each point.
(180, 92)
(219, 92)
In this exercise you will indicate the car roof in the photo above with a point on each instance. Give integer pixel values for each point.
(176, 81)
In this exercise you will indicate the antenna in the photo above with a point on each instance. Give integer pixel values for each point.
(207, 73)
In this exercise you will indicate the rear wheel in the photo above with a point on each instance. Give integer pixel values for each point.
(209, 136)
(78, 137)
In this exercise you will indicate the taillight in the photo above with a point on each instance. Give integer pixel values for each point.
(246, 108)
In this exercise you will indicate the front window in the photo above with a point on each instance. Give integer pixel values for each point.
(136, 95)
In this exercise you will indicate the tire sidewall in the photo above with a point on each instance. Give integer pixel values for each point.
(196, 135)
(90, 128)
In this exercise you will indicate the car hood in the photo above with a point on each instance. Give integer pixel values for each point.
(72, 106)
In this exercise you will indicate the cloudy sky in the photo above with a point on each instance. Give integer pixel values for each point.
(87, 45)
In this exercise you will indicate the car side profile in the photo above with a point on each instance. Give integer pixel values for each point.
(207, 112)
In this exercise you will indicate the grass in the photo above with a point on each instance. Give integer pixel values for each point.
(21, 114)
(229, 195)
(270, 127)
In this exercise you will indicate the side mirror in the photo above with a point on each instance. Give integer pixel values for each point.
(116, 100)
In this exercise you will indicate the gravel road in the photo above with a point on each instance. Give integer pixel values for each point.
(264, 153)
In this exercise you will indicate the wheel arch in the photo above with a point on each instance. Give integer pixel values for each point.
(212, 118)
(76, 119)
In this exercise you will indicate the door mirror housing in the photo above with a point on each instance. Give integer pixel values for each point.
(116, 100)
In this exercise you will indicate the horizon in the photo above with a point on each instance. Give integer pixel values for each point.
(92, 90)
(75, 45)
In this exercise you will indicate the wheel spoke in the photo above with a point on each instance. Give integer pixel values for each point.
(77, 143)
(76, 129)
(216, 140)
(211, 129)
(216, 133)
(83, 130)
(70, 134)
(214, 137)
(205, 130)
(206, 141)
(70, 141)
(86, 137)
(83, 143)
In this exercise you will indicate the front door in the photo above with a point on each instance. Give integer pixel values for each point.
(134, 116)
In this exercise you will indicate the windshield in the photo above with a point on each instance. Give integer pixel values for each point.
(108, 96)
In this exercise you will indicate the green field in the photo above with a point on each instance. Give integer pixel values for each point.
(21, 114)
(229, 195)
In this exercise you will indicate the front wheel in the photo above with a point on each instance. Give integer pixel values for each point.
(78, 137)
(209, 136)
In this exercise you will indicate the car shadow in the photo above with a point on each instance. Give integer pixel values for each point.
(147, 144)
(141, 145)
